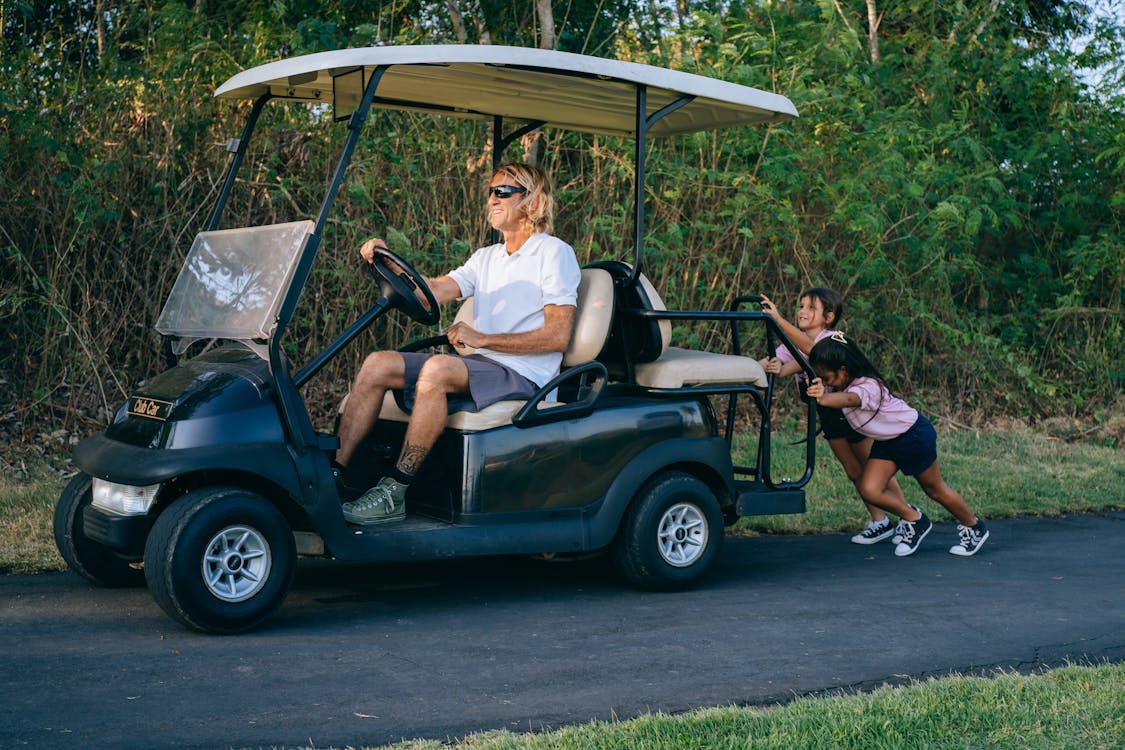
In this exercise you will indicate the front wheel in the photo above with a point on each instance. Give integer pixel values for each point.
(84, 556)
(220, 560)
(670, 535)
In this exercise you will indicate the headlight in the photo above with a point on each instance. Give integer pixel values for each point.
(124, 499)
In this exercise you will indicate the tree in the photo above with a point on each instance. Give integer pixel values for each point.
(951, 173)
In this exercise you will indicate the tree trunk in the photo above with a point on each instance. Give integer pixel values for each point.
(534, 148)
(99, 26)
(458, 21)
(992, 6)
(546, 24)
(872, 31)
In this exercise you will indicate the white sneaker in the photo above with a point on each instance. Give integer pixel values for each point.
(875, 531)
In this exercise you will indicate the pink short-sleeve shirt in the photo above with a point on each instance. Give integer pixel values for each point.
(879, 415)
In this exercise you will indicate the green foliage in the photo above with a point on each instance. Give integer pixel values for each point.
(964, 192)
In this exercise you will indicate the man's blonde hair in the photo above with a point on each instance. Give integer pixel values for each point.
(539, 195)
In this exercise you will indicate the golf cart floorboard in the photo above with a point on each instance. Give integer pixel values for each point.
(412, 522)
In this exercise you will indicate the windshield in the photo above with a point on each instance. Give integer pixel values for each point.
(233, 281)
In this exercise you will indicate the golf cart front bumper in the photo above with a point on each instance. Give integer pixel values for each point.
(123, 534)
(110, 460)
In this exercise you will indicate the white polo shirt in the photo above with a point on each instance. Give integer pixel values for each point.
(509, 292)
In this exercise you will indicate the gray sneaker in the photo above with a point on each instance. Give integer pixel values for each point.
(384, 502)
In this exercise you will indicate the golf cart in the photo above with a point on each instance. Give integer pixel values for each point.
(212, 480)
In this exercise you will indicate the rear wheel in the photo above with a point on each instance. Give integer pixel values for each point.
(670, 535)
(220, 560)
(84, 556)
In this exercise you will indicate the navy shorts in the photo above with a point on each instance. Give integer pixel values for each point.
(489, 382)
(913, 451)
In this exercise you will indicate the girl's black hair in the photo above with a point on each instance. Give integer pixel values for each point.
(831, 300)
(834, 352)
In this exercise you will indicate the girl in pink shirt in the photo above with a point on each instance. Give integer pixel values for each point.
(820, 309)
(903, 439)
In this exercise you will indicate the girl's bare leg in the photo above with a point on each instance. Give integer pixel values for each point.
(853, 457)
(874, 485)
(934, 486)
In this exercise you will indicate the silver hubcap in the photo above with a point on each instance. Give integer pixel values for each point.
(682, 535)
(236, 564)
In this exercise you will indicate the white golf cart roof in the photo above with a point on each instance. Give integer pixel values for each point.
(561, 89)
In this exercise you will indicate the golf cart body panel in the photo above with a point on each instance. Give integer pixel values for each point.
(215, 465)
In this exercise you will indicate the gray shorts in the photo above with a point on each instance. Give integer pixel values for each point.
(489, 382)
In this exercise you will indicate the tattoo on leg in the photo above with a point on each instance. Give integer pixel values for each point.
(412, 457)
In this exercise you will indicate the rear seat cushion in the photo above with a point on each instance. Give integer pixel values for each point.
(679, 368)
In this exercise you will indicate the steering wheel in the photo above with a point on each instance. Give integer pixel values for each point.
(400, 283)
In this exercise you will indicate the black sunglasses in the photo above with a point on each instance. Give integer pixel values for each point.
(504, 192)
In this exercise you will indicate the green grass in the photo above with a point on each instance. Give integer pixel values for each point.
(1072, 707)
(27, 542)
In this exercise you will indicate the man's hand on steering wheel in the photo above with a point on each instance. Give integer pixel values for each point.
(367, 249)
(406, 287)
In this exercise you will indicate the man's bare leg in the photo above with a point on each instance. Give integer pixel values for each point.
(380, 371)
(440, 376)
(386, 501)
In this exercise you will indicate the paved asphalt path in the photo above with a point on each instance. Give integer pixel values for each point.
(363, 656)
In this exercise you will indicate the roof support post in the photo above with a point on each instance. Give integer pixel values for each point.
(355, 126)
(644, 122)
(639, 181)
(500, 142)
(237, 147)
(294, 415)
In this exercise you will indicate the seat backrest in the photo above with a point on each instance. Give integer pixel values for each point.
(592, 319)
(647, 339)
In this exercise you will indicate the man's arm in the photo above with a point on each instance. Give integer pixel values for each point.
(552, 336)
(444, 288)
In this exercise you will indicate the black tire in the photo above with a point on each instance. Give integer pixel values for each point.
(220, 560)
(670, 535)
(85, 557)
